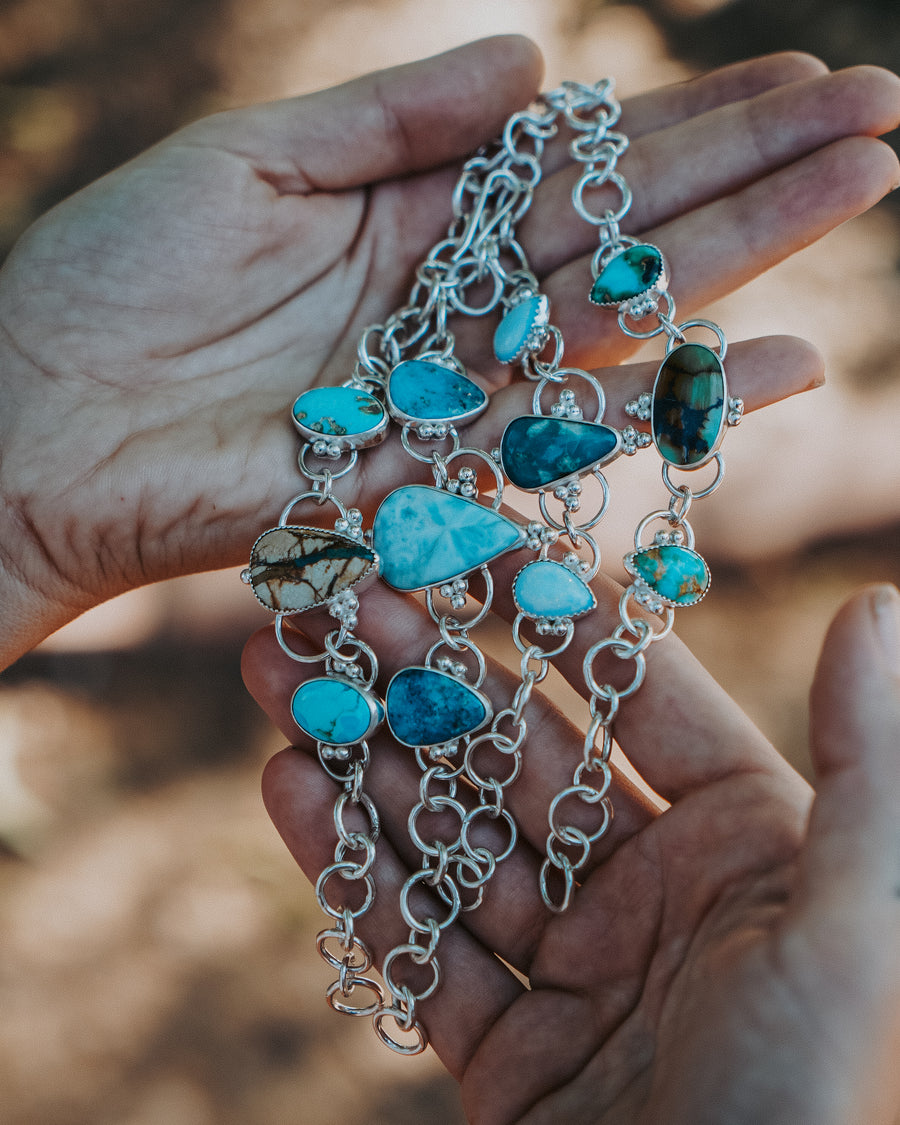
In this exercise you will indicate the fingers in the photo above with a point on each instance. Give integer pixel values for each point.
(389, 123)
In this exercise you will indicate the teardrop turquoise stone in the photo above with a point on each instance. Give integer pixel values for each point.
(335, 711)
(425, 536)
(422, 391)
(427, 708)
(548, 589)
(628, 275)
(521, 329)
(688, 412)
(343, 412)
(677, 574)
(539, 451)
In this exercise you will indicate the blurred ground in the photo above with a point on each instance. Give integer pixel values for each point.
(158, 961)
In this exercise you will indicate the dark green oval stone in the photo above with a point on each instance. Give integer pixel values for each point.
(688, 413)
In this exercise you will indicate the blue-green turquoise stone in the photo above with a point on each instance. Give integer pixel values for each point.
(427, 708)
(341, 412)
(520, 329)
(422, 391)
(677, 574)
(688, 412)
(425, 536)
(335, 711)
(627, 275)
(539, 451)
(548, 589)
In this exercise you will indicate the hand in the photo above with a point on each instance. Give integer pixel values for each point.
(735, 957)
(155, 327)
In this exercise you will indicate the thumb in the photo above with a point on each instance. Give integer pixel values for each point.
(847, 905)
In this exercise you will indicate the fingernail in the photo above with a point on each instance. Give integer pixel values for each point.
(886, 609)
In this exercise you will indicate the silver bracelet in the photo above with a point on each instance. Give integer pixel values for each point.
(436, 538)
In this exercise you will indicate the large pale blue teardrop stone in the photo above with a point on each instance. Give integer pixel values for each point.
(427, 708)
(346, 413)
(678, 575)
(548, 589)
(293, 569)
(688, 411)
(335, 711)
(422, 391)
(522, 329)
(424, 536)
(538, 451)
(628, 275)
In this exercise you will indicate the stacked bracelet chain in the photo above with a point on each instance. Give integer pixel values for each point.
(437, 539)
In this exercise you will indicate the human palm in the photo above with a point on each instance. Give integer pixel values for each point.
(731, 956)
(156, 325)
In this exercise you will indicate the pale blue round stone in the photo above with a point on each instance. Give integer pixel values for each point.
(548, 589)
(338, 411)
(335, 712)
(513, 334)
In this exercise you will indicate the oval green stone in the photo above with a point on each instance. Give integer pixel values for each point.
(678, 575)
(688, 411)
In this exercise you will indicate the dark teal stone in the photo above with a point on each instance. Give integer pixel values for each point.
(335, 711)
(678, 575)
(688, 411)
(419, 390)
(352, 416)
(538, 451)
(428, 708)
(628, 275)
(424, 536)
(548, 589)
(522, 329)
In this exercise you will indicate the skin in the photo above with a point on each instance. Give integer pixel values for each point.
(732, 958)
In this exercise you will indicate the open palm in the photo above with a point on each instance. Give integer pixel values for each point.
(155, 327)
(732, 957)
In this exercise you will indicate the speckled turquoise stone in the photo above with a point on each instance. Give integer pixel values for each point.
(422, 391)
(548, 589)
(628, 275)
(677, 574)
(424, 536)
(427, 708)
(522, 329)
(335, 711)
(688, 411)
(352, 415)
(538, 451)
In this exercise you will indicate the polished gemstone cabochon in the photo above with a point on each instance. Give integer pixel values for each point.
(538, 451)
(688, 410)
(351, 416)
(424, 536)
(678, 575)
(419, 390)
(627, 275)
(428, 708)
(522, 328)
(335, 711)
(293, 569)
(547, 589)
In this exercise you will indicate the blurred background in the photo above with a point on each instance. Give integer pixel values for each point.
(158, 961)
